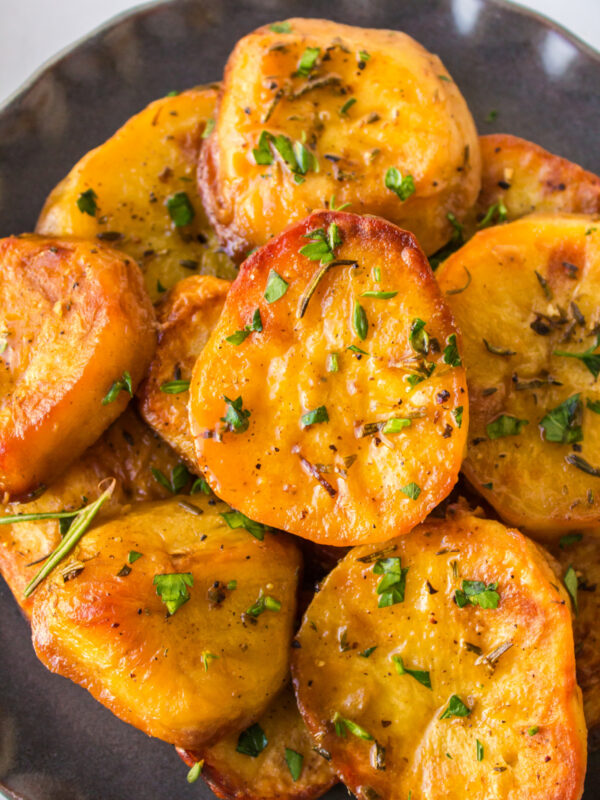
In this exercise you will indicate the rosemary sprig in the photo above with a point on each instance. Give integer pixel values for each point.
(78, 528)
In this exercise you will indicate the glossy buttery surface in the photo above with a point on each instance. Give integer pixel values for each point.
(524, 706)
(528, 479)
(334, 481)
(132, 192)
(112, 634)
(74, 317)
(408, 114)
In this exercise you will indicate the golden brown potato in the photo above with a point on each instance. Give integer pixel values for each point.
(526, 178)
(524, 295)
(276, 762)
(330, 400)
(175, 640)
(127, 451)
(138, 191)
(76, 336)
(581, 552)
(186, 318)
(322, 109)
(442, 667)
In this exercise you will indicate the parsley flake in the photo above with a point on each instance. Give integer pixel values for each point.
(235, 519)
(180, 209)
(479, 750)
(206, 658)
(563, 423)
(179, 477)
(264, 603)
(347, 105)
(456, 708)
(477, 594)
(313, 417)
(568, 539)
(451, 355)
(404, 187)
(359, 321)
(252, 741)
(173, 589)
(86, 202)
(255, 326)
(379, 295)
(419, 675)
(133, 556)
(457, 413)
(308, 61)
(236, 417)
(122, 385)
(571, 585)
(391, 588)
(418, 337)
(195, 771)
(412, 490)
(280, 27)
(505, 425)
(590, 359)
(495, 214)
(294, 761)
(276, 287)
(342, 725)
(322, 244)
(175, 387)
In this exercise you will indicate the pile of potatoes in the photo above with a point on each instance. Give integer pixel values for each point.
(305, 569)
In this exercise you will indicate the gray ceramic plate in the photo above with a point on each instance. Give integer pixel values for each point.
(56, 743)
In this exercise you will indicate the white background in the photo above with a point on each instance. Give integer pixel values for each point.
(32, 31)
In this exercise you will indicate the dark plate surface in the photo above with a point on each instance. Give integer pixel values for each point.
(56, 742)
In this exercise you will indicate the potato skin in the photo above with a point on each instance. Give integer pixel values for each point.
(151, 158)
(268, 471)
(532, 685)
(584, 557)
(526, 478)
(112, 635)
(127, 451)
(235, 776)
(75, 316)
(405, 116)
(186, 318)
(527, 178)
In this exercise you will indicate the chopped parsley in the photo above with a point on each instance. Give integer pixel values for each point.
(295, 154)
(419, 338)
(280, 27)
(262, 152)
(456, 708)
(379, 295)
(563, 423)
(173, 589)
(179, 477)
(308, 61)
(195, 771)
(366, 653)
(495, 214)
(122, 385)
(391, 588)
(252, 741)
(593, 406)
(477, 594)
(395, 425)
(255, 326)
(294, 761)
(568, 539)
(208, 128)
(312, 417)
(236, 417)
(206, 658)
(479, 750)
(235, 519)
(493, 114)
(419, 675)
(451, 355)
(354, 349)
(322, 244)
(505, 425)
(404, 187)
(333, 362)
(180, 209)
(200, 485)
(264, 603)
(359, 321)
(412, 490)
(133, 556)
(86, 202)
(175, 387)
(276, 287)
(457, 413)
(457, 239)
(590, 359)
(363, 56)
(342, 725)
(533, 730)
(571, 585)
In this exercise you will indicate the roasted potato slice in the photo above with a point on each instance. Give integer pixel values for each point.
(77, 332)
(442, 666)
(183, 657)
(526, 178)
(579, 555)
(274, 759)
(322, 109)
(330, 400)
(186, 318)
(525, 298)
(127, 451)
(138, 191)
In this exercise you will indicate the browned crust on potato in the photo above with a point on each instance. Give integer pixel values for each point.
(281, 492)
(186, 318)
(76, 318)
